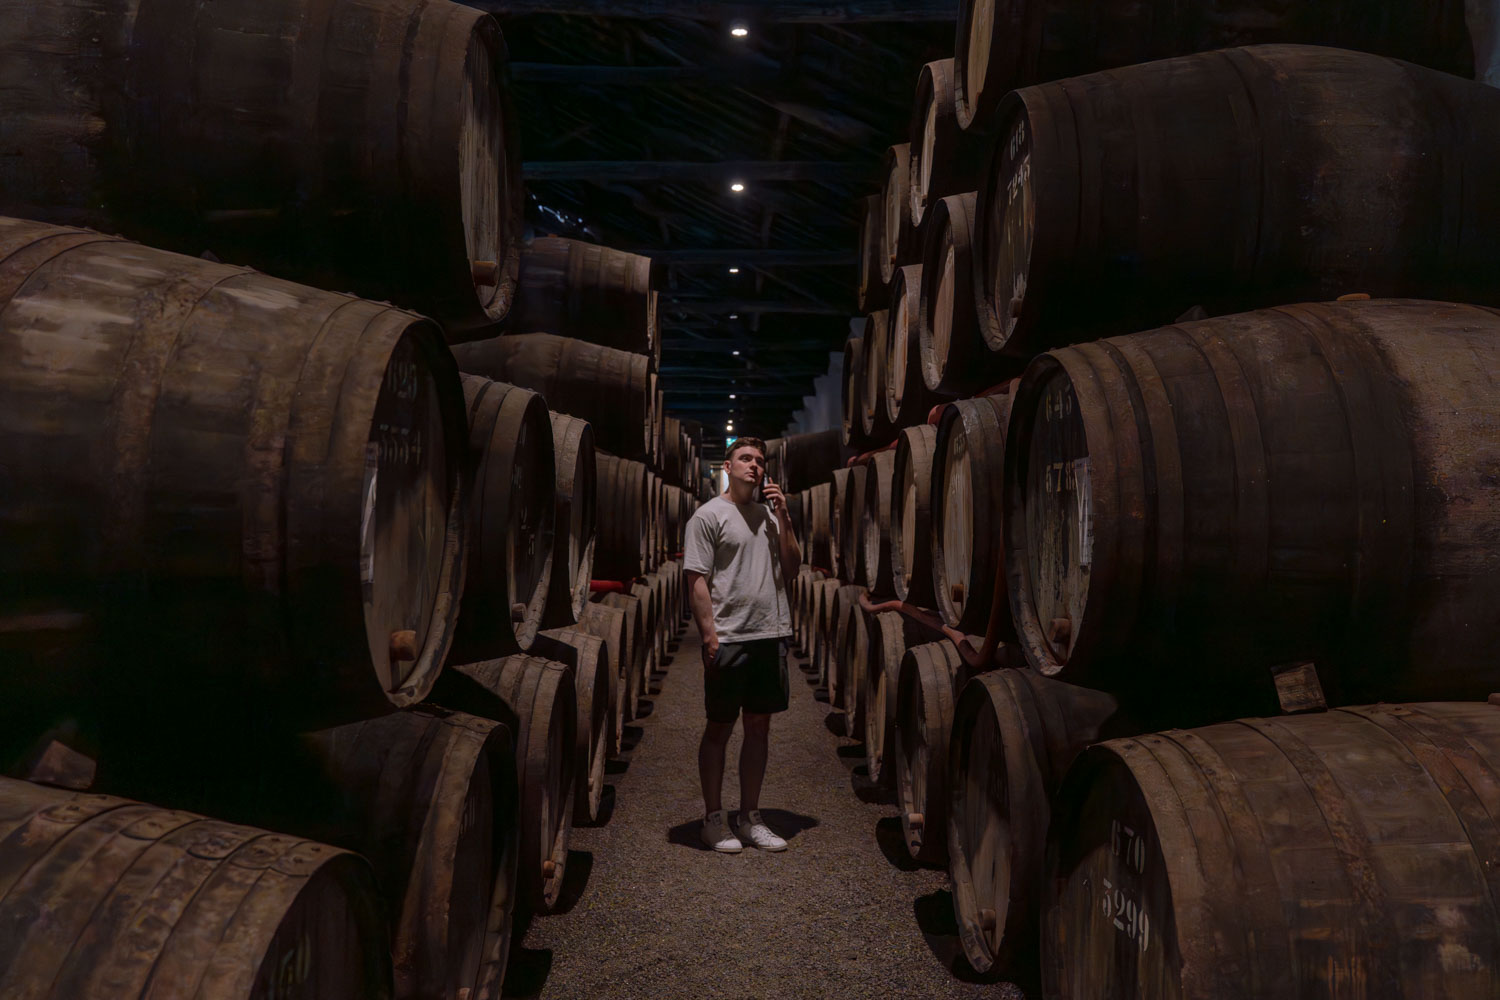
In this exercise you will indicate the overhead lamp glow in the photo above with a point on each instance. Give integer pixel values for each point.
(734, 316)
(731, 395)
(739, 31)
(736, 352)
(737, 187)
(734, 270)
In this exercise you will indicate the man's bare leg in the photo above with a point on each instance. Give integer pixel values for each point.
(753, 754)
(711, 751)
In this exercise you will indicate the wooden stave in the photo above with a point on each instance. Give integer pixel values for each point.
(1311, 103)
(608, 388)
(390, 222)
(415, 768)
(874, 421)
(819, 550)
(914, 453)
(535, 699)
(982, 425)
(891, 635)
(218, 865)
(608, 623)
(809, 459)
(930, 675)
(1380, 400)
(907, 398)
(851, 549)
(840, 486)
(1432, 778)
(595, 690)
(650, 662)
(1042, 726)
(512, 510)
(875, 525)
(955, 358)
(946, 157)
(853, 432)
(842, 694)
(290, 605)
(632, 668)
(896, 231)
(577, 492)
(592, 292)
(823, 626)
(622, 538)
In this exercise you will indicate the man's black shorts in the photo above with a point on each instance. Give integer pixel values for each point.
(746, 675)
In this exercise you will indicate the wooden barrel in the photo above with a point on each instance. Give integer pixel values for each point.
(967, 544)
(1328, 501)
(842, 679)
(622, 540)
(658, 583)
(823, 626)
(1057, 267)
(650, 661)
(360, 146)
(911, 515)
(1002, 46)
(851, 540)
(875, 524)
(809, 459)
(261, 484)
(907, 398)
(955, 359)
(634, 666)
(606, 387)
(535, 698)
(873, 419)
(1346, 852)
(840, 488)
(610, 624)
(430, 798)
(583, 290)
(853, 388)
(819, 550)
(857, 652)
(105, 897)
(798, 594)
(895, 229)
(1015, 733)
(575, 518)
(945, 159)
(926, 687)
(872, 281)
(891, 634)
(511, 520)
(596, 689)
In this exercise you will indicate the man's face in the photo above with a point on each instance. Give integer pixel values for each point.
(747, 465)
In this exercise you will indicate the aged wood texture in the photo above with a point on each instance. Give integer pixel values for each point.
(366, 146)
(430, 798)
(512, 511)
(636, 657)
(610, 389)
(853, 389)
(596, 690)
(1308, 482)
(575, 519)
(907, 398)
(926, 687)
(911, 515)
(610, 624)
(945, 159)
(873, 289)
(896, 232)
(1233, 180)
(1347, 853)
(955, 359)
(819, 549)
(1015, 733)
(967, 544)
(851, 541)
(1005, 44)
(535, 699)
(840, 488)
(809, 459)
(891, 634)
(875, 525)
(843, 616)
(622, 540)
(591, 292)
(261, 482)
(102, 897)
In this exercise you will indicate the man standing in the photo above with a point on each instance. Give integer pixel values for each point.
(737, 558)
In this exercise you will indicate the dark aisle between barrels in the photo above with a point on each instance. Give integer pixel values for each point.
(651, 913)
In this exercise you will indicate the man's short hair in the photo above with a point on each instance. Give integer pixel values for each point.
(746, 442)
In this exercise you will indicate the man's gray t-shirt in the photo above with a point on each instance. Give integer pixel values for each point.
(737, 548)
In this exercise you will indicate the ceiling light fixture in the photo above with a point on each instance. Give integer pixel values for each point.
(736, 352)
(731, 395)
(734, 270)
(739, 31)
(737, 187)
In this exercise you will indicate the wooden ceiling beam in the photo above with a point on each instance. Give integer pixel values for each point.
(750, 257)
(750, 11)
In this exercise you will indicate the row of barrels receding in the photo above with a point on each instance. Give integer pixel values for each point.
(231, 492)
(1087, 607)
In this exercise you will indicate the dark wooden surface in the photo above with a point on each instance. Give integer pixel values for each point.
(911, 515)
(926, 688)
(907, 398)
(575, 519)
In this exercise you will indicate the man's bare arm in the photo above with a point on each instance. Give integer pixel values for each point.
(703, 613)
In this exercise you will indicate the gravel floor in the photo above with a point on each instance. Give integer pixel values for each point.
(842, 913)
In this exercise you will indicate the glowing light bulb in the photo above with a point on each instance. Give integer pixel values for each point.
(737, 187)
(739, 31)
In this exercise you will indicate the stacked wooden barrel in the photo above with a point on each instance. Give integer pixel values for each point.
(1236, 514)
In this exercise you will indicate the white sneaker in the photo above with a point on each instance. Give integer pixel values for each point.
(716, 833)
(753, 830)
